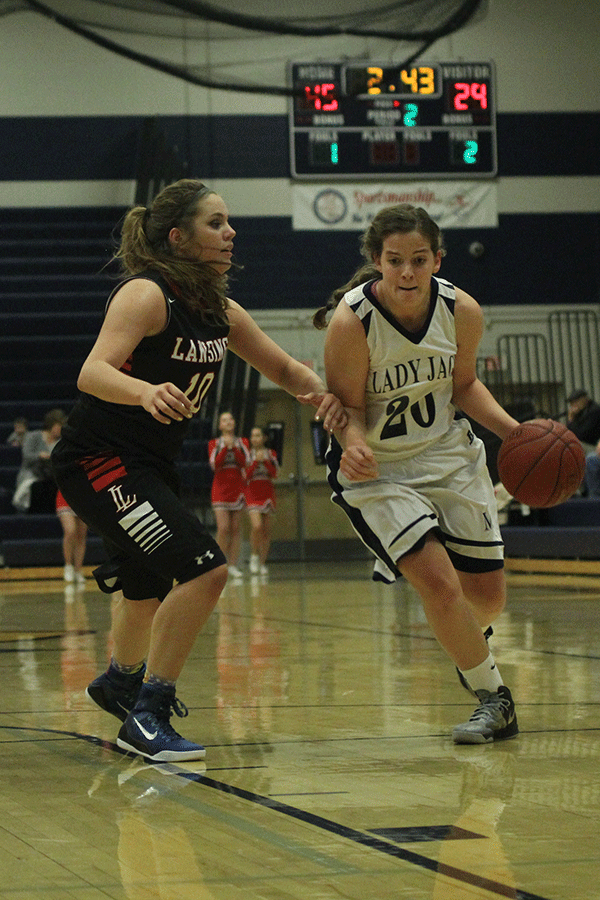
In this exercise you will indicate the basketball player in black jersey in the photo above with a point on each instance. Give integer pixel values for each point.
(165, 332)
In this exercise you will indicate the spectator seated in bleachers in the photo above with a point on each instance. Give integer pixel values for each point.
(591, 480)
(17, 435)
(35, 489)
(583, 419)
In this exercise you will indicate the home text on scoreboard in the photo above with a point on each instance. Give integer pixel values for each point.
(428, 120)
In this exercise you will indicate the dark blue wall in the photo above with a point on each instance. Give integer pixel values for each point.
(105, 147)
(529, 259)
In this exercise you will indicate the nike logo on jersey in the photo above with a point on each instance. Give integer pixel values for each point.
(149, 736)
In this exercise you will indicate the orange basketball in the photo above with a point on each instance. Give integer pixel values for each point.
(541, 463)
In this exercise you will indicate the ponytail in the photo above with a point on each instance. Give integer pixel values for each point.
(365, 273)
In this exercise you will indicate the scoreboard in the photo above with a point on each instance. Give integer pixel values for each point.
(435, 120)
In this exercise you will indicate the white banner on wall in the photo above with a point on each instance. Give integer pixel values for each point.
(351, 207)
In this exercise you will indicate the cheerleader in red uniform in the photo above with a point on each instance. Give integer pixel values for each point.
(74, 540)
(260, 498)
(228, 456)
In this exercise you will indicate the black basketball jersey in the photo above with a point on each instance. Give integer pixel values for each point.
(187, 353)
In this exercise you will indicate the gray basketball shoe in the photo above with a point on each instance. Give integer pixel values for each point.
(493, 720)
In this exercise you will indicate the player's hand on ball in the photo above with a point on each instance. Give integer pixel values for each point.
(541, 463)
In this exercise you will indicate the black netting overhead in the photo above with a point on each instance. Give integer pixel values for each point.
(270, 34)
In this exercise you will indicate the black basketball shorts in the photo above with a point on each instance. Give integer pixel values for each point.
(151, 539)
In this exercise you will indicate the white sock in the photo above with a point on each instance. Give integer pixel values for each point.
(485, 676)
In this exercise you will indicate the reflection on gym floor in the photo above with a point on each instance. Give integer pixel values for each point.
(326, 708)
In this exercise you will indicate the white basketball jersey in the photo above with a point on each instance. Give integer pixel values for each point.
(409, 387)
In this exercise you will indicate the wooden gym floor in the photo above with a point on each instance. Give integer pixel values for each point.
(326, 708)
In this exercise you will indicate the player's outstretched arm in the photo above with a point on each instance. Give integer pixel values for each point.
(249, 342)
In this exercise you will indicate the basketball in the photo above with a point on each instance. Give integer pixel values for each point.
(541, 463)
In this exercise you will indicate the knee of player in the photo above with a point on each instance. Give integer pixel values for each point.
(487, 592)
(218, 577)
(208, 583)
(443, 585)
(445, 599)
(493, 604)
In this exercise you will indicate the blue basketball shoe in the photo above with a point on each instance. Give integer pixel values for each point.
(115, 692)
(147, 729)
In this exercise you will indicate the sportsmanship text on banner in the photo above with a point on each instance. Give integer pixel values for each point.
(351, 207)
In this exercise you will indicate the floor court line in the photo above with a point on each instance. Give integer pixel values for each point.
(342, 831)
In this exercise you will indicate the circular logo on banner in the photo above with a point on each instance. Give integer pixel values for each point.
(330, 206)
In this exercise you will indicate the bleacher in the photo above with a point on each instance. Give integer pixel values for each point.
(568, 531)
(56, 274)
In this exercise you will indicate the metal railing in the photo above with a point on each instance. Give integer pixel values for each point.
(535, 373)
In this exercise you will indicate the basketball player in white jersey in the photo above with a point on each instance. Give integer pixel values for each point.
(400, 354)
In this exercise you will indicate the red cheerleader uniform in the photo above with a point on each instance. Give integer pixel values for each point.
(260, 474)
(229, 465)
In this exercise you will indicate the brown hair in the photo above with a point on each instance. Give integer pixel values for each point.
(400, 219)
(54, 417)
(145, 246)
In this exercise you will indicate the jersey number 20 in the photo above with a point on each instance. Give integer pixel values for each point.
(395, 425)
